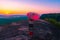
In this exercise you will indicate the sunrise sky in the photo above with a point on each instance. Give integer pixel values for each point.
(24, 6)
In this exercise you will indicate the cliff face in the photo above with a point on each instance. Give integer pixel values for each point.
(18, 29)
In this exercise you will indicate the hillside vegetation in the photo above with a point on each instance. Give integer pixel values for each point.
(54, 22)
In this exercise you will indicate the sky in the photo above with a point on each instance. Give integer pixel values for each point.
(25, 6)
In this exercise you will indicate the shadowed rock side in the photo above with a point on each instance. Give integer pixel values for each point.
(41, 31)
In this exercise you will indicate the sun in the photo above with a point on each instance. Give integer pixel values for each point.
(6, 12)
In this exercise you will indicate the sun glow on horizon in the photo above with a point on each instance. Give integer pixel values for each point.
(20, 7)
(8, 7)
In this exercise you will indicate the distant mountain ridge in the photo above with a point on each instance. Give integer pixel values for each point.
(13, 18)
(4, 16)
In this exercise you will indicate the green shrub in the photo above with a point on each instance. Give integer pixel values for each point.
(54, 22)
